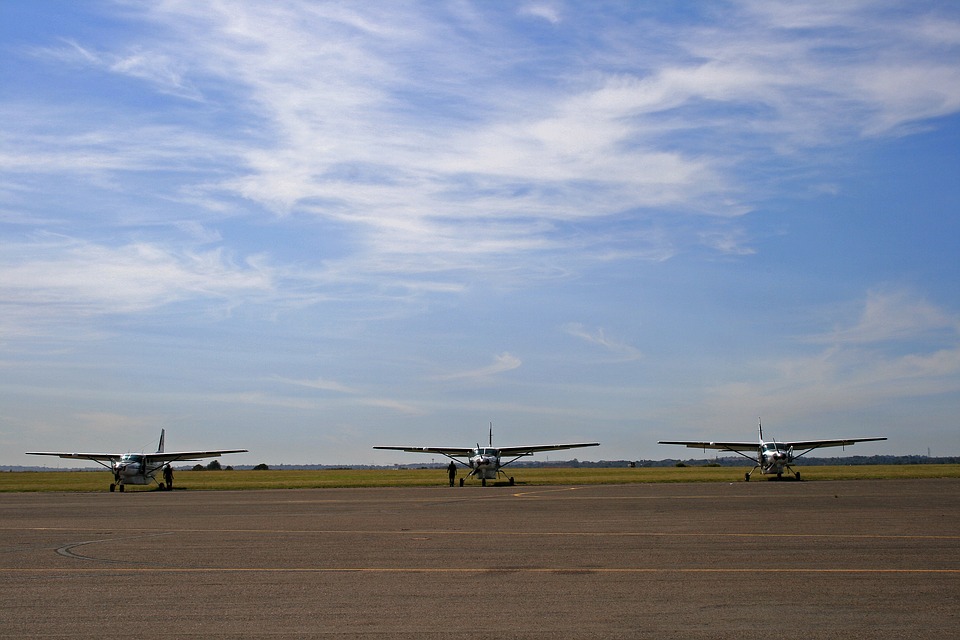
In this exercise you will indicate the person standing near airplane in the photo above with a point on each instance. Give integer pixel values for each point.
(452, 472)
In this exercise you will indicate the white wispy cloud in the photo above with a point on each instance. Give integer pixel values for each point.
(158, 69)
(486, 171)
(541, 10)
(501, 363)
(621, 350)
(420, 135)
(354, 395)
(580, 152)
(320, 384)
(57, 279)
(900, 346)
(891, 314)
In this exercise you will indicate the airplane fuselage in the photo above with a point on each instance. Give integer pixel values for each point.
(132, 468)
(485, 463)
(773, 458)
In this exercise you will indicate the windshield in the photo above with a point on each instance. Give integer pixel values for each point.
(131, 457)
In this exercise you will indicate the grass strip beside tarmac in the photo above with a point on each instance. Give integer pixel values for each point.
(98, 480)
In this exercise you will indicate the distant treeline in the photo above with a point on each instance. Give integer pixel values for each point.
(725, 461)
(737, 461)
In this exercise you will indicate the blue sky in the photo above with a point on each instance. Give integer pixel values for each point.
(308, 228)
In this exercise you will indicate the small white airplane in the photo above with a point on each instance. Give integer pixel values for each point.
(772, 457)
(138, 468)
(484, 462)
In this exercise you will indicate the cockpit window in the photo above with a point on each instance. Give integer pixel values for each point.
(131, 457)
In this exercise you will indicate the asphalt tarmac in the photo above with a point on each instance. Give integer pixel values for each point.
(853, 559)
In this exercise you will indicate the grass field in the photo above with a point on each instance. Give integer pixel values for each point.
(332, 478)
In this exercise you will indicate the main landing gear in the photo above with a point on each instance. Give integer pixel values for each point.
(483, 481)
(796, 474)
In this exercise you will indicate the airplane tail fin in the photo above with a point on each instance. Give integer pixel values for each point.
(760, 428)
(160, 447)
(491, 434)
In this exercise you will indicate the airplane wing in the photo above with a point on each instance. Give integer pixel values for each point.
(79, 456)
(455, 452)
(752, 446)
(151, 458)
(530, 449)
(722, 446)
(816, 444)
(174, 456)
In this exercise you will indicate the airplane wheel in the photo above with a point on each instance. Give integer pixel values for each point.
(112, 488)
(798, 475)
(461, 482)
(511, 481)
(121, 488)
(483, 482)
(746, 477)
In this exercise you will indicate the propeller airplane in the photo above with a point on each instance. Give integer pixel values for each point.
(772, 457)
(485, 462)
(138, 468)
